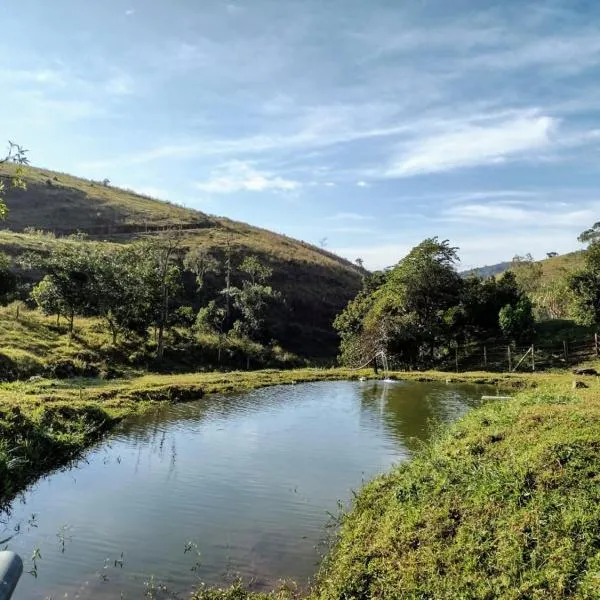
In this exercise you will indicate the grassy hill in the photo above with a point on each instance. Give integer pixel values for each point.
(317, 284)
(552, 267)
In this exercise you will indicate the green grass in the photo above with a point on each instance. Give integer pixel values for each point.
(504, 505)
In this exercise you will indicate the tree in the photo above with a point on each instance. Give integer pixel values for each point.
(253, 298)
(590, 235)
(517, 322)
(201, 262)
(160, 259)
(528, 273)
(585, 285)
(124, 288)
(8, 280)
(16, 155)
(70, 269)
(404, 312)
(257, 272)
(48, 299)
(211, 319)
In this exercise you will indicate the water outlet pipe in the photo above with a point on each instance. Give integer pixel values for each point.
(11, 569)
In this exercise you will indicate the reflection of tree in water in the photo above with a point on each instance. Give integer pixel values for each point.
(411, 411)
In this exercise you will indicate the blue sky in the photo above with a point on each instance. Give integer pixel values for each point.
(372, 124)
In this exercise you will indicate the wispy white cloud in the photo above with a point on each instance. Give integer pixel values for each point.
(350, 216)
(537, 214)
(238, 176)
(129, 12)
(474, 145)
(362, 184)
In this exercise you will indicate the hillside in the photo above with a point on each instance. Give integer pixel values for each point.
(315, 283)
(551, 266)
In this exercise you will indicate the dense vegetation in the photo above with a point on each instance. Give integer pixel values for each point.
(420, 312)
(416, 311)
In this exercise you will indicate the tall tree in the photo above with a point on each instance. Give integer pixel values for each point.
(16, 155)
(161, 255)
(407, 315)
(201, 262)
(585, 285)
(70, 269)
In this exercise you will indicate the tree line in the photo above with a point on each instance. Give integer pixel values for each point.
(420, 310)
(138, 288)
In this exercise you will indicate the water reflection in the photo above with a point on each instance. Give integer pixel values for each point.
(248, 479)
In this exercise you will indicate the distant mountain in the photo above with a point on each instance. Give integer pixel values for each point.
(552, 267)
(487, 271)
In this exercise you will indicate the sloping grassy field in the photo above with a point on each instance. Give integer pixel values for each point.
(315, 283)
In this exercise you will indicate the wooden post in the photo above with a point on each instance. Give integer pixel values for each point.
(596, 344)
(566, 350)
(456, 357)
(509, 361)
(485, 357)
(532, 358)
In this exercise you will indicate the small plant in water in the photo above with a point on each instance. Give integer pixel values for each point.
(35, 556)
(193, 547)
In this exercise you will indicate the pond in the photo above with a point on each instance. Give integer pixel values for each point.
(239, 484)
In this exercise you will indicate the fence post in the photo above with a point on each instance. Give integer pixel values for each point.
(485, 357)
(456, 357)
(509, 361)
(532, 357)
(596, 344)
(566, 350)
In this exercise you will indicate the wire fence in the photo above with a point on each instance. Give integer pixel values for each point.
(519, 358)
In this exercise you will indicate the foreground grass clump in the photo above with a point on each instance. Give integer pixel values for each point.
(504, 505)
(36, 437)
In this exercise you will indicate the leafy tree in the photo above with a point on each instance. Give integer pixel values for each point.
(590, 235)
(47, 298)
(405, 312)
(517, 322)
(201, 262)
(415, 298)
(257, 272)
(212, 319)
(161, 253)
(8, 280)
(528, 273)
(481, 302)
(254, 298)
(17, 155)
(70, 270)
(585, 285)
(124, 289)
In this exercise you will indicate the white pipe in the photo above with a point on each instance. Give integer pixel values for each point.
(11, 569)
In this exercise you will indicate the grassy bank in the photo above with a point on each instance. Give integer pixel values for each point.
(505, 504)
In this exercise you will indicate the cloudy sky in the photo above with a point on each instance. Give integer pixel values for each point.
(371, 124)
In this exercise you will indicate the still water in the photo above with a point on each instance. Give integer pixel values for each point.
(240, 484)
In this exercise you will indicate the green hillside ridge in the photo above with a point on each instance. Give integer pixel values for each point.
(316, 283)
(551, 266)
